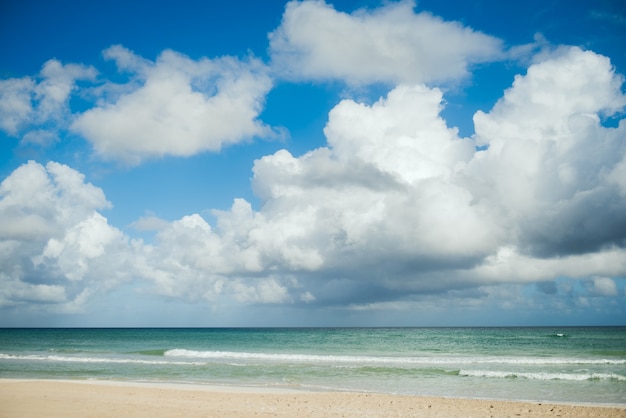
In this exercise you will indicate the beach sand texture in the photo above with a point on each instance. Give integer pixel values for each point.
(20, 398)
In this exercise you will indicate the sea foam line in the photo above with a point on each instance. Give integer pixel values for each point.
(216, 355)
(69, 359)
(543, 375)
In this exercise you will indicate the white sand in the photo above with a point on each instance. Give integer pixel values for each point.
(54, 398)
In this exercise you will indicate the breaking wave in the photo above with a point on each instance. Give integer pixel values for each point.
(77, 359)
(543, 375)
(425, 360)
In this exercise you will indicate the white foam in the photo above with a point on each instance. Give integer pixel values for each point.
(78, 359)
(423, 360)
(179, 356)
(542, 375)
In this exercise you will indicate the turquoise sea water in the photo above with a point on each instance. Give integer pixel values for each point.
(540, 364)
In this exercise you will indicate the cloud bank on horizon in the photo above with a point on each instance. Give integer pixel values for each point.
(397, 212)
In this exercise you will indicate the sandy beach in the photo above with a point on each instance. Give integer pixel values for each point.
(39, 398)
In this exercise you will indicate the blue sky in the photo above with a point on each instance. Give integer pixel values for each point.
(276, 163)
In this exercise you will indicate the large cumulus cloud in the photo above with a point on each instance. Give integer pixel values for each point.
(396, 208)
(398, 204)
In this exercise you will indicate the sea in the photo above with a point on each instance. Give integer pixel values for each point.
(567, 364)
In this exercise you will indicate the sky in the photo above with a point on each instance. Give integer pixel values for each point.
(312, 163)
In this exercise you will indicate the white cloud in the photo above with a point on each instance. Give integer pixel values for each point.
(53, 92)
(15, 103)
(617, 175)
(128, 61)
(307, 297)
(550, 163)
(508, 264)
(15, 292)
(83, 242)
(27, 104)
(603, 286)
(149, 223)
(192, 261)
(335, 213)
(391, 44)
(177, 106)
(41, 137)
(51, 237)
(555, 101)
(266, 291)
(383, 189)
(402, 135)
(398, 204)
(39, 201)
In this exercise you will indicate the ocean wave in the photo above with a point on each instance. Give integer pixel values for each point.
(194, 357)
(77, 359)
(543, 375)
(425, 360)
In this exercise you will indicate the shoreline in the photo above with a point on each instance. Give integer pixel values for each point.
(109, 398)
(236, 389)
